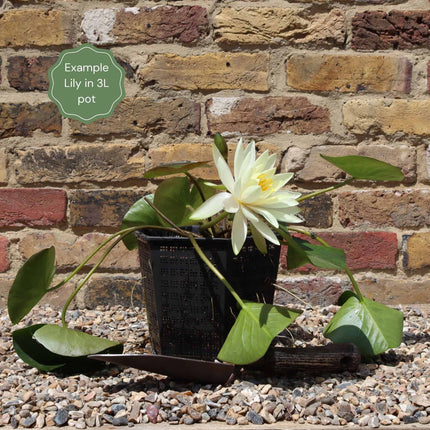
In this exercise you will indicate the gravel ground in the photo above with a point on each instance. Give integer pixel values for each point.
(392, 390)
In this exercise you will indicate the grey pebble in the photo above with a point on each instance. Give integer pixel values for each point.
(61, 417)
(254, 417)
(29, 421)
(120, 421)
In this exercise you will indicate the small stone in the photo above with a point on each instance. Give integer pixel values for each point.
(363, 421)
(230, 420)
(116, 407)
(188, 420)
(255, 418)
(374, 422)
(28, 422)
(61, 417)
(40, 421)
(267, 416)
(242, 421)
(152, 412)
(408, 419)
(120, 421)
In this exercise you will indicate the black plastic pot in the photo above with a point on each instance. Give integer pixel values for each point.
(189, 310)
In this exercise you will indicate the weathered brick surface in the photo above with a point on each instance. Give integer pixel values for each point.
(143, 116)
(389, 117)
(32, 207)
(382, 208)
(5, 284)
(211, 71)
(396, 29)
(196, 152)
(316, 290)
(77, 163)
(100, 208)
(264, 25)
(349, 73)
(3, 166)
(22, 119)
(161, 24)
(266, 115)
(394, 291)
(363, 250)
(416, 250)
(36, 27)
(112, 291)
(70, 250)
(316, 169)
(317, 211)
(4, 259)
(29, 73)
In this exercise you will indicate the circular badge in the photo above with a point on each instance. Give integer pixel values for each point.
(86, 83)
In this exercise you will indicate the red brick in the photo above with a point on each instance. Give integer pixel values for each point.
(32, 207)
(266, 115)
(385, 208)
(161, 24)
(22, 119)
(398, 29)
(4, 260)
(29, 73)
(364, 250)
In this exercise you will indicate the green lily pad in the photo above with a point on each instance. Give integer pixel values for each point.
(31, 284)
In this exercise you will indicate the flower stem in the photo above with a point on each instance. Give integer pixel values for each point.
(217, 273)
(213, 221)
(355, 285)
(325, 190)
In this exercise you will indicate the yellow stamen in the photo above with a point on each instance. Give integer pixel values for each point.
(264, 182)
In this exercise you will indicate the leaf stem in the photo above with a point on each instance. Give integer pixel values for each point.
(212, 222)
(196, 184)
(355, 285)
(324, 243)
(325, 190)
(88, 276)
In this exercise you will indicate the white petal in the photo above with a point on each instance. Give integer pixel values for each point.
(239, 231)
(250, 194)
(249, 214)
(224, 171)
(266, 231)
(281, 179)
(266, 214)
(231, 205)
(210, 207)
(238, 158)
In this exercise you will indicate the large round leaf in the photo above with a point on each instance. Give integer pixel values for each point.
(361, 167)
(251, 335)
(71, 343)
(172, 197)
(31, 284)
(370, 325)
(32, 352)
(141, 213)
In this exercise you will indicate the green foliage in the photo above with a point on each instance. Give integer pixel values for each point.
(255, 328)
(360, 167)
(221, 144)
(141, 213)
(31, 284)
(59, 348)
(71, 343)
(372, 326)
(301, 252)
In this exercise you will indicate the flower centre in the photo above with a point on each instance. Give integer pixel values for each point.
(264, 182)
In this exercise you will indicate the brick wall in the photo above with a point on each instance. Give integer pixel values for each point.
(300, 77)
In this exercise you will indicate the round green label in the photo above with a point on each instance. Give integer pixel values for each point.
(86, 83)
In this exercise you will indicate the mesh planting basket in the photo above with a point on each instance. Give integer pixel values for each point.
(189, 311)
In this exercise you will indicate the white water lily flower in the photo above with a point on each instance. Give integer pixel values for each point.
(254, 194)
